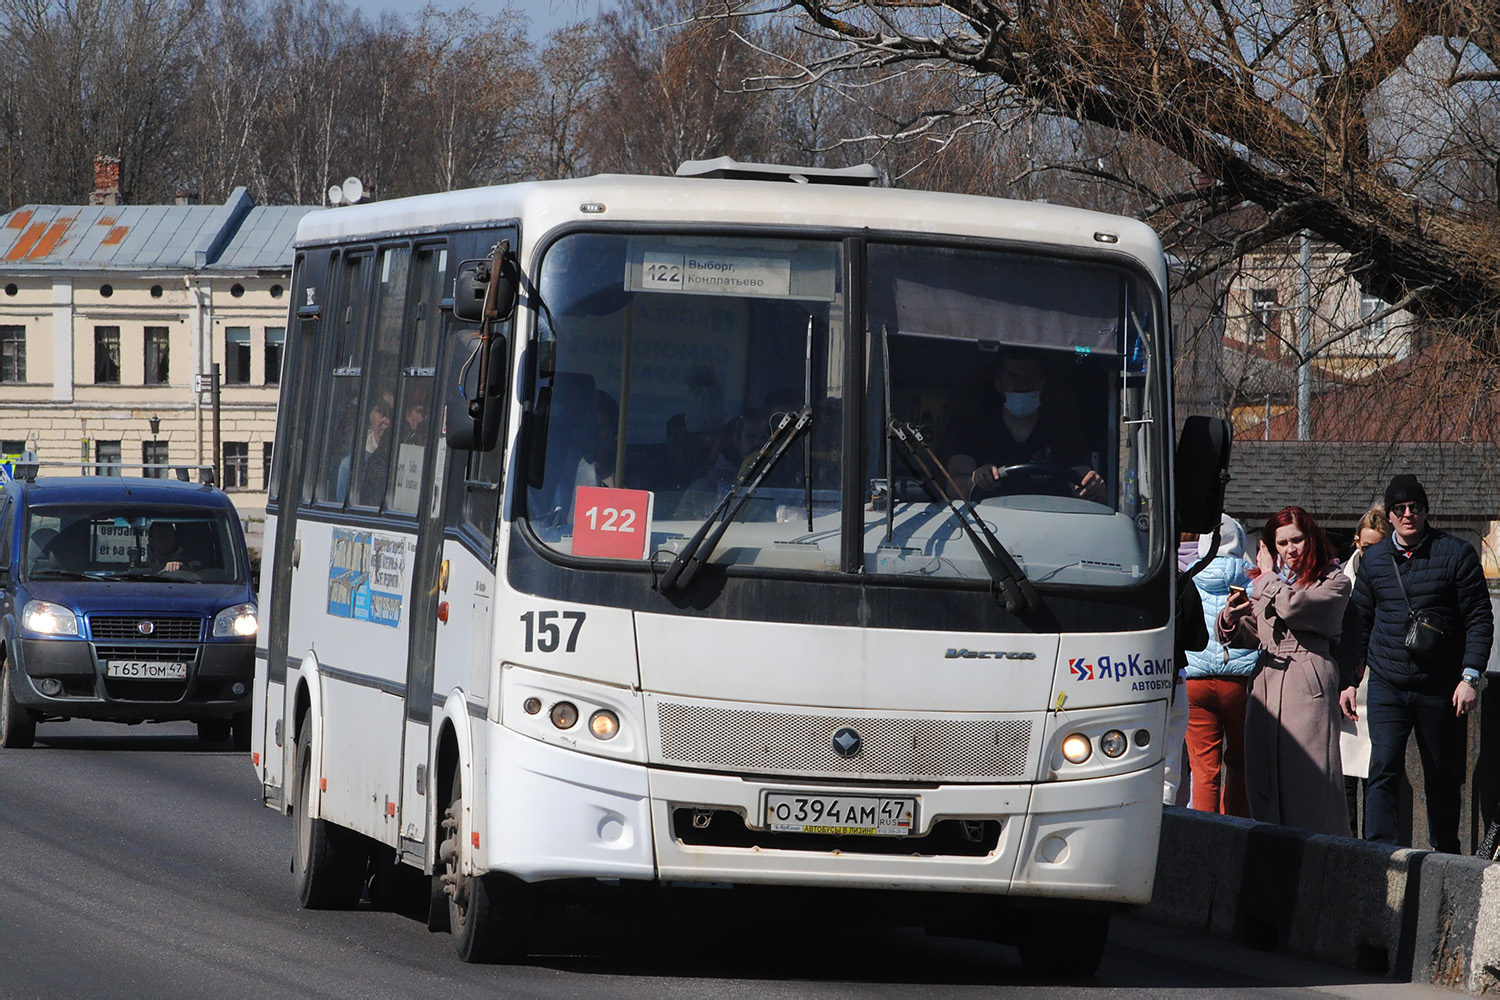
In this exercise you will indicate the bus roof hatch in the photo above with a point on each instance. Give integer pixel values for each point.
(726, 167)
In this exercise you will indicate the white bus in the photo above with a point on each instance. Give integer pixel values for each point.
(676, 530)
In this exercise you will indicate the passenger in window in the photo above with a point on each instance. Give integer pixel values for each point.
(376, 459)
(1010, 419)
(736, 444)
(596, 466)
(414, 424)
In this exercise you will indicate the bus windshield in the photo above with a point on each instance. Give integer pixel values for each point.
(188, 545)
(1001, 400)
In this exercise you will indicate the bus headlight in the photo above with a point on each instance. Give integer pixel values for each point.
(604, 724)
(564, 715)
(1113, 743)
(236, 622)
(1076, 748)
(48, 618)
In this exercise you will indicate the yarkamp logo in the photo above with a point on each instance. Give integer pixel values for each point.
(988, 654)
(1156, 675)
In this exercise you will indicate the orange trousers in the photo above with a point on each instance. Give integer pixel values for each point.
(1216, 743)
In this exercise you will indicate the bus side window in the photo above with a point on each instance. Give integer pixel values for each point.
(418, 372)
(481, 503)
(344, 427)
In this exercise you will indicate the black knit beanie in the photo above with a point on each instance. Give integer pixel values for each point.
(1405, 488)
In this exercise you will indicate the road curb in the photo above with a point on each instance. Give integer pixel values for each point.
(1409, 915)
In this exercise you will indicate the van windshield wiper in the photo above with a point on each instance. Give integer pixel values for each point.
(1018, 591)
(701, 546)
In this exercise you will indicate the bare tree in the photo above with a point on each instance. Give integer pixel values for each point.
(1366, 121)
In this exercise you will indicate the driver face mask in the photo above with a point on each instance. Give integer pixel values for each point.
(1022, 404)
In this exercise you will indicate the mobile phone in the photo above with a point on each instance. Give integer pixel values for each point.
(1235, 588)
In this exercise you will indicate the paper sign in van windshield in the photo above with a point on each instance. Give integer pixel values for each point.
(366, 572)
(715, 274)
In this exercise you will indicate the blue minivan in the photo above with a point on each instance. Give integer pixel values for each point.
(124, 599)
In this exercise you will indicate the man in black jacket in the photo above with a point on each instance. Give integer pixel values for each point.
(1418, 568)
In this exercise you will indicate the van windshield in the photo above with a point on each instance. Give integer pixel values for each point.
(184, 545)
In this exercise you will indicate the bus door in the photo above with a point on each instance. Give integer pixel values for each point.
(417, 488)
(271, 733)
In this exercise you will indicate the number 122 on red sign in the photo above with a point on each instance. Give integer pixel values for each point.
(610, 523)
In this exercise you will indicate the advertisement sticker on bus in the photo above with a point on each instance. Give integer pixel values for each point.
(366, 575)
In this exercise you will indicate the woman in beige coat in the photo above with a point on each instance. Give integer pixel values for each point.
(1294, 614)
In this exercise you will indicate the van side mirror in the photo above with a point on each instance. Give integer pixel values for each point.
(1202, 470)
(471, 427)
(480, 278)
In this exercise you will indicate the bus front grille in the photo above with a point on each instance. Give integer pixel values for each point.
(931, 748)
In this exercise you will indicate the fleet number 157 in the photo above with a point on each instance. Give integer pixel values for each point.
(544, 634)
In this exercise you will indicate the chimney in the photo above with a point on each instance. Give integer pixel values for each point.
(106, 181)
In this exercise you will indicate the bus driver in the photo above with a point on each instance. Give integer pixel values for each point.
(1026, 433)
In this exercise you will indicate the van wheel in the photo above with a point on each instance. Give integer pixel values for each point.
(17, 724)
(240, 731)
(328, 862)
(213, 730)
(488, 915)
(1070, 945)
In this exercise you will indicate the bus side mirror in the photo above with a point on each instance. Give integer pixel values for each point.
(471, 428)
(473, 284)
(1202, 468)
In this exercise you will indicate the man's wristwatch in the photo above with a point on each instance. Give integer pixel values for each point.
(1475, 681)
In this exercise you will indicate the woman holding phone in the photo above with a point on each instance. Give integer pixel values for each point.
(1293, 614)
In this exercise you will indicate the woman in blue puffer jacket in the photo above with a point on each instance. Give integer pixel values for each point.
(1218, 684)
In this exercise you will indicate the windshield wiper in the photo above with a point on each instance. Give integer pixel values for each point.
(65, 574)
(1019, 592)
(698, 548)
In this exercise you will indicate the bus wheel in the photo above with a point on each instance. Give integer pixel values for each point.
(488, 915)
(1070, 945)
(213, 730)
(17, 724)
(328, 864)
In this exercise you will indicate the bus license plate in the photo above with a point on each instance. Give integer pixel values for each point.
(146, 670)
(866, 815)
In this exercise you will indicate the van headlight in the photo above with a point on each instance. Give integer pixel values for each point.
(48, 618)
(237, 622)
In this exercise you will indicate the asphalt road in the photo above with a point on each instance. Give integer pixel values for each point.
(135, 862)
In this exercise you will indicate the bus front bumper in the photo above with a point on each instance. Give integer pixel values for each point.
(589, 817)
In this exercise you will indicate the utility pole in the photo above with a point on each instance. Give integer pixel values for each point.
(1304, 338)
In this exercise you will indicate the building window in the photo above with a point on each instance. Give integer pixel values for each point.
(237, 355)
(12, 354)
(107, 454)
(236, 465)
(107, 355)
(1371, 305)
(154, 453)
(11, 446)
(265, 466)
(1265, 319)
(157, 368)
(275, 341)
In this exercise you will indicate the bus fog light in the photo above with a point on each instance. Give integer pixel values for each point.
(1142, 737)
(564, 715)
(237, 689)
(1077, 749)
(604, 724)
(50, 686)
(532, 706)
(1113, 743)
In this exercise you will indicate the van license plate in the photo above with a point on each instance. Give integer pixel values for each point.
(866, 815)
(146, 670)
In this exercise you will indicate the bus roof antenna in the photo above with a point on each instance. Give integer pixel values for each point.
(727, 168)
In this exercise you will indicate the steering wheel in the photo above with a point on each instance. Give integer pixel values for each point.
(1034, 472)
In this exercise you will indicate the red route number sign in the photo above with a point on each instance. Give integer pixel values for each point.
(610, 523)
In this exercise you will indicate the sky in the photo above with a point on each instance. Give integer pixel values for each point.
(546, 15)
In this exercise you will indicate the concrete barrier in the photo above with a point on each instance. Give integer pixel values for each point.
(1406, 914)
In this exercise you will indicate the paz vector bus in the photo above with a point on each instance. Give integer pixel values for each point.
(630, 533)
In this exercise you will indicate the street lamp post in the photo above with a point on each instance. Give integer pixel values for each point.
(155, 429)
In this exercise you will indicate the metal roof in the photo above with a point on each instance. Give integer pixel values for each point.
(236, 235)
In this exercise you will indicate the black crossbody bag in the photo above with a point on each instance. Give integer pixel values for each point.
(1424, 629)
